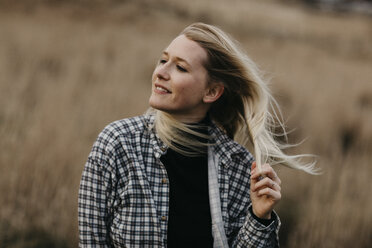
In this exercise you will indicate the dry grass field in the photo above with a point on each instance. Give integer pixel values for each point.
(69, 68)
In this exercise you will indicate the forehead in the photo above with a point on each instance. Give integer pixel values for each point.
(187, 49)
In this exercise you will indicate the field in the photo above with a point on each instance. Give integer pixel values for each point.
(69, 68)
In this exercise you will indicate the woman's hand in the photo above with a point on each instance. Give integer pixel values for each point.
(265, 190)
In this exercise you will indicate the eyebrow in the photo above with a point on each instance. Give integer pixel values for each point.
(177, 58)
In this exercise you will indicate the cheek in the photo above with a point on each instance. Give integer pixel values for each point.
(190, 93)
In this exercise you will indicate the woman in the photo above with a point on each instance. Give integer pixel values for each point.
(175, 177)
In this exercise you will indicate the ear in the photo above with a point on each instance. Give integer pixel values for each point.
(213, 92)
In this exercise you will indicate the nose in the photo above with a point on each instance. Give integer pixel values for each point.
(161, 72)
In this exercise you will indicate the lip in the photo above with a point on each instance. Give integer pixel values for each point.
(160, 89)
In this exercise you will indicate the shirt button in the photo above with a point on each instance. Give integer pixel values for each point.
(164, 180)
(163, 218)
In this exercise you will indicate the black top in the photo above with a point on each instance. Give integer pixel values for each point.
(189, 223)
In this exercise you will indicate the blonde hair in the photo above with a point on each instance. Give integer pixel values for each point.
(243, 110)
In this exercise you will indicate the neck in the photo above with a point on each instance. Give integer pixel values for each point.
(188, 119)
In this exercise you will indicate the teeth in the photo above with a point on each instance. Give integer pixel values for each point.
(161, 89)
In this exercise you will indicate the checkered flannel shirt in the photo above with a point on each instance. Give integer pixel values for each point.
(124, 190)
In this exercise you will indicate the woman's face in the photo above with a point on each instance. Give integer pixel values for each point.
(179, 82)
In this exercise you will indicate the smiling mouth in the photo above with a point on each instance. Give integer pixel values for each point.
(162, 89)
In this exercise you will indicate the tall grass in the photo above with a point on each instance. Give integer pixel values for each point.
(67, 70)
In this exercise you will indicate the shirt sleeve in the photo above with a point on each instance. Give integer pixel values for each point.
(255, 234)
(96, 187)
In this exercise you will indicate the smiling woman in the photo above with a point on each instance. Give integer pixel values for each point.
(176, 176)
(180, 82)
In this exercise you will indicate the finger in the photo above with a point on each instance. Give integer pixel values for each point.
(266, 182)
(267, 171)
(268, 192)
(254, 164)
(254, 170)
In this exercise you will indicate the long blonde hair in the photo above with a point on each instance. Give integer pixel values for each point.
(245, 111)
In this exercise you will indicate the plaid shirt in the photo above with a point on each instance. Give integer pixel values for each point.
(124, 190)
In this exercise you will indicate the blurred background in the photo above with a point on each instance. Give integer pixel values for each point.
(68, 68)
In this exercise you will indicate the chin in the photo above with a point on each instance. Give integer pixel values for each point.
(157, 105)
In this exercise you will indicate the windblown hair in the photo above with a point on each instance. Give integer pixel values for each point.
(246, 111)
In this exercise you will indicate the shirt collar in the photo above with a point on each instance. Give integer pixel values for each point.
(160, 148)
(224, 147)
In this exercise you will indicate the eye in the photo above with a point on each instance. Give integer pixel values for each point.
(162, 61)
(180, 68)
